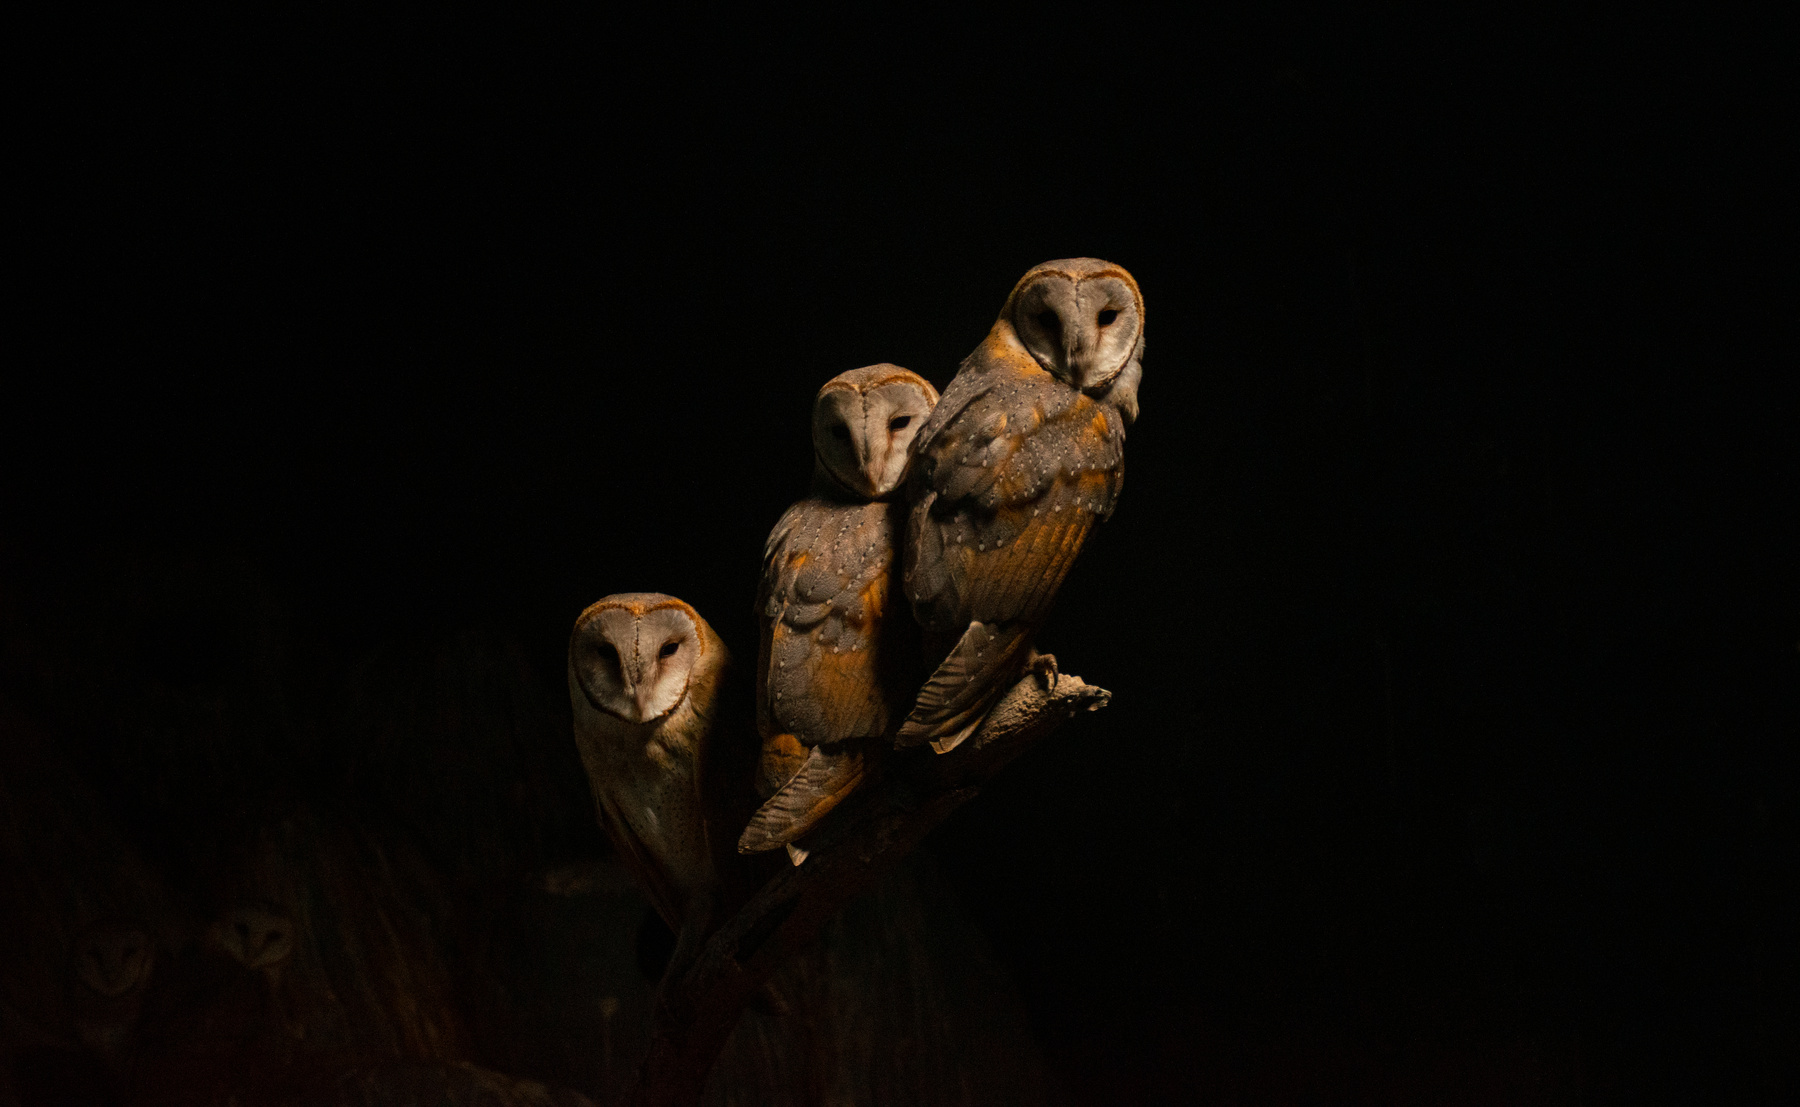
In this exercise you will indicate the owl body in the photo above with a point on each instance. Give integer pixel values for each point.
(645, 672)
(838, 661)
(1021, 458)
(263, 939)
(114, 962)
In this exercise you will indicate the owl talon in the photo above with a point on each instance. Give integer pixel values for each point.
(1044, 665)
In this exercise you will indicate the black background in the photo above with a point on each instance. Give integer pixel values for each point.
(1450, 608)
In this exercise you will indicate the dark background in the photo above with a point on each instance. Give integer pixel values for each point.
(1450, 610)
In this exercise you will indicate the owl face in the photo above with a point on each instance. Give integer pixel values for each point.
(113, 958)
(632, 654)
(1081, 319)
(255, 936)
(863, 426)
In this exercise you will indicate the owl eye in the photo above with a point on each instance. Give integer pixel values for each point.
(1049, 321)
(899, 421)
(1107, 316)
(668, 649)
(607, 652)
(841, 432)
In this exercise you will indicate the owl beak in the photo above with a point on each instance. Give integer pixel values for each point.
(1078, 355)
(640, 696)
(871, 452)
(870, 444)
(874, 459)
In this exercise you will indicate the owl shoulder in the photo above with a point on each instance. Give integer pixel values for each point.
(830, 558)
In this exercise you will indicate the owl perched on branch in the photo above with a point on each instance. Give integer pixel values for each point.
(837, 665)
(1024, 453)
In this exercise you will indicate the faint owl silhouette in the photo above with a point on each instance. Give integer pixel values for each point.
(644, 678)
(262, 939)
(835, 673)
(114, 961)
(1025, 451)
(255, 935)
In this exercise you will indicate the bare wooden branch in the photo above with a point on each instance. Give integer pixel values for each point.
(704, 993)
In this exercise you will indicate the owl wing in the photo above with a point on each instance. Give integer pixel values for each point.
(823, 780)
(767, 587)
(826, 589)
(1005, 495)
(828, 677)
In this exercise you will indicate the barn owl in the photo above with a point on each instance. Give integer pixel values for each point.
(1024, 453)
(644, 678)
(113, 964)
(835, 671)
(258, 937)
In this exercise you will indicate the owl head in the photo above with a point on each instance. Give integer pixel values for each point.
(633, 654)
(1082, 319)
(863, 426)
(255, 935)
(113, 958)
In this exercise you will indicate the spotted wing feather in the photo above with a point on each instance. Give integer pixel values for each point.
(829, 660)
(1005, 494)
(826, 588)
(824, 779)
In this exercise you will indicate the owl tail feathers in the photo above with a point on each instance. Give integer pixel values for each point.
(981, 667)
(823, 781)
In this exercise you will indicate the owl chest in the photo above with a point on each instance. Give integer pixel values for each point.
(656, 788)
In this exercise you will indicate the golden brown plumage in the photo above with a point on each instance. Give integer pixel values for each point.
(1023, 455)
(836, 665)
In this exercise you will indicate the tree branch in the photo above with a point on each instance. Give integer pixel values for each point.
(703, 994)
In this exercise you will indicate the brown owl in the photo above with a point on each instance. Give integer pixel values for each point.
(113, 964)
(645, 672)
(263, 939)
(1021, 457)
(835, 671)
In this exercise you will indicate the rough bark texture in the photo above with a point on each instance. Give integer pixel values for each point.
(699, 1004)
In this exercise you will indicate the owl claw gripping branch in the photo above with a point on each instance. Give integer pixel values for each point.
(974, 507)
